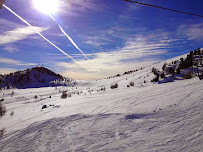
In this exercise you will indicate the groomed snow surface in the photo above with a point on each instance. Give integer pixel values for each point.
(147, 117)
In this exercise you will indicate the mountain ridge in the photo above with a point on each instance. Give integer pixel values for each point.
(32, 78)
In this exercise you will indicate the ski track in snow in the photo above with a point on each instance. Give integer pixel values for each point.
(163, 117)
(112, 132)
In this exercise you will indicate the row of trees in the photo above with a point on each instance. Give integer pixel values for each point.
(177, 66)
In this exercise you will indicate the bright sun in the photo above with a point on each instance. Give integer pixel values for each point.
(46, 6)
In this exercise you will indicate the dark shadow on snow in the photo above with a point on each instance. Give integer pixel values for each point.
(170, 78)
(137, 116)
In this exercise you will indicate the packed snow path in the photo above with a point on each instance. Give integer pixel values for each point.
(166, 117)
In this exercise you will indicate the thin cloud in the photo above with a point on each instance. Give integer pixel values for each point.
(68, 7)
(81, 76)
(11, 49)
(18, 34)
(95, 43)
(105, 70)
(13, 62)
(28, 64)
(6, 23)
(137, 52)
(99, 38)
(193, 32)
(9, 61)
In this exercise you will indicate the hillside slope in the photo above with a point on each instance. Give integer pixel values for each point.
(31, 78)
(151, 117)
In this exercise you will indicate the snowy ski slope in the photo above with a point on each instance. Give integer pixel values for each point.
(148, 117)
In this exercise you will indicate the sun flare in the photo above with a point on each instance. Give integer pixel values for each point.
(46, 6)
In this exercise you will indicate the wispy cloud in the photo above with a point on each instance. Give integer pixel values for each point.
(13, 62)
(18, 34)
(137, 51)
(73, 7)
(99, 35)
(28, 64)
(11, 49)
(9, 61)
(95, 43)
(193, 31)
(101, 69)
(6, 23)
(82, 76)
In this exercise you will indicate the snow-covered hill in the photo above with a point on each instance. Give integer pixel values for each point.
(144, 117)
(32, 78)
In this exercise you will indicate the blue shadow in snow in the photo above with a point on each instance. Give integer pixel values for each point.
(137, 116)
(168, 79)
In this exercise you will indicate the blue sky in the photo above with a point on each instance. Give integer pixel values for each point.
(115, 35)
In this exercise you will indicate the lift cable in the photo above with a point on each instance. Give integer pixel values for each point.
(164, 8)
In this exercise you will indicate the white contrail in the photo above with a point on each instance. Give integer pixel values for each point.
(43, 36)
(70, 39)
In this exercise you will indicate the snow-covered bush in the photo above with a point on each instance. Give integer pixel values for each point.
(188, 74)
(2, 110)
(114, 86)
(64, 95)
(172, 71)
(103, 89)
(2, 132)
(162, 75)
(132, 83)
(35, 97)
(12, 113)
(155, 79)
(155, 71)
(178, 70)
(164, 66)
(44, 106)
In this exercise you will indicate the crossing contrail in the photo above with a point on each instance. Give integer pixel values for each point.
(44, 37)
(70, 39)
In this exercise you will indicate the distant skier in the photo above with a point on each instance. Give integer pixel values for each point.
(1, 3)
